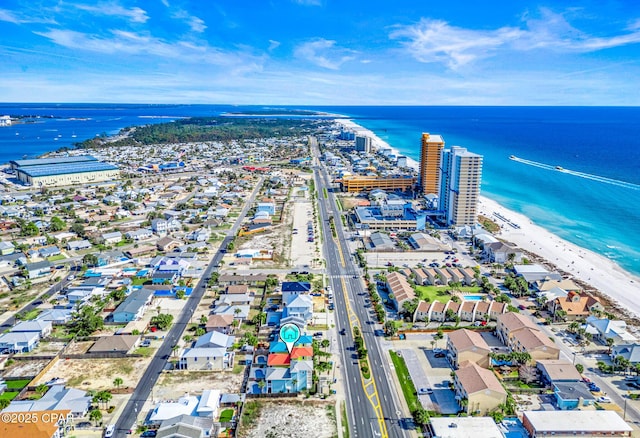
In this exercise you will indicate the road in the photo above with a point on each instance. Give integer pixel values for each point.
(147, 382)
(372, 409)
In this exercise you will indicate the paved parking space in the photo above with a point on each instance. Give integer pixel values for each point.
(434, 376)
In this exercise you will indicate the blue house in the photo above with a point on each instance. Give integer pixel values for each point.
(133, 307)
(570, 394)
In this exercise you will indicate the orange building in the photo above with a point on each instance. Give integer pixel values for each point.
(355, 183)
(430, 153)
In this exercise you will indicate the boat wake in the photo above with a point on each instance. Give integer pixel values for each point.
(597, 178)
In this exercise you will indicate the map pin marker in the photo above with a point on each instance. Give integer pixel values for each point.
(289, 334)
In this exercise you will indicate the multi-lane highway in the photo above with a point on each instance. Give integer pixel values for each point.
(129, 415)
(372, 407)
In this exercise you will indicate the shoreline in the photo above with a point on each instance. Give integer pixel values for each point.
(603, 275)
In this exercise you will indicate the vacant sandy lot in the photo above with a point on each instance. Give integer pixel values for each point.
(293, 420)
(174, 384)
(25, 368)
(98, 373)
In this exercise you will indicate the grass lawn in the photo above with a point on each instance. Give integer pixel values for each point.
(226, 415)
(9, 395)
(408, 389)
(139, 281)
(56, 258)
(31, 315)
(17, 384)
(440, 293)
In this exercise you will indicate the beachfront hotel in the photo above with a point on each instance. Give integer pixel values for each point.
(460, 176)
(430, 156)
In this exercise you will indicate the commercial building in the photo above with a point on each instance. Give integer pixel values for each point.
(430, 156)
(575, 423)
(460, 177)
(356, 183)
(456, 427)
(51, 172)
(363, 144)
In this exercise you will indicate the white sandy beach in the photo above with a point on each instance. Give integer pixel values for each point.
(594, 269)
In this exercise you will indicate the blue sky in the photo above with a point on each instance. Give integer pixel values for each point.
(375, 52)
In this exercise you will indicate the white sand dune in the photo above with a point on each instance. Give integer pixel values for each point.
(601, 273)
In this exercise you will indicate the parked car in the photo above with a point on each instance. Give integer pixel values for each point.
(425, 391)
(603, 399)
(439, 355)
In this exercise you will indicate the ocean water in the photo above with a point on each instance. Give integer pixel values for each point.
(594, 203)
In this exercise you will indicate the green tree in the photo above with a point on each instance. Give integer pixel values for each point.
(90, 259)
(78, 228)
(96, 416)
(580, 368)
(390, 328)
(180, 294)
(56, 224)
(162, 321)
(85, 321)
(4, 403)
(421, 416)
(117, 382)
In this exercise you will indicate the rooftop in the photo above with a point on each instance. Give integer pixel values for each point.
(63, 169)
(576, 421)
(455, 427)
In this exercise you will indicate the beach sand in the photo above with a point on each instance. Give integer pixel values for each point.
(595, 270)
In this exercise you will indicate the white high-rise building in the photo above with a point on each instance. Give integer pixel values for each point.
(460, 177)
(363, 144)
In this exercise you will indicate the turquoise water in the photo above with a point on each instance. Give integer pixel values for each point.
(472, 297)
(596, 207)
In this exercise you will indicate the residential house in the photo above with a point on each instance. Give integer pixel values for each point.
(38, 269)
(22, 342)
(604, 328)
(422, 311)
(402, 291)
(466, 345)
(78, 245)
(204, 406)
(6, 248)
(572, 395)
(164, 277)
(42, 328)
(56, 398)
(479, 387)
(134, 306)
(558, 371)
(49, 251)
(254, 279)
(186, 426)
(140, 234)
(294, 288)
(206, 358)
(533, 273)
(238, 312)
(124, 344)
(630, 352)
(199, 235)
(268, 207)
(111, 238)
(220, 323)
(300, 307)
(499, 252)
(510, 323)
(167, 243)
(565, 284)
(237, 289)
(214, 339)
(578, 306)
(55, 316)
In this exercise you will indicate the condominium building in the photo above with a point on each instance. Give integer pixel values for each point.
(363, 144)
(430, 156)
(460, 176)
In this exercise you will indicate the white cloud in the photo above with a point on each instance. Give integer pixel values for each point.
(20, 18)
(309, 2)
(324, 53)
(196, 24)
(122, 42)
(273, 44)
(135, 14)
(437, 41)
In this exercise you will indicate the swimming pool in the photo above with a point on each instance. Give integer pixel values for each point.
(473, 297)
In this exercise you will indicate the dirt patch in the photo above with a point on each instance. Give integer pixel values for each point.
(79, 347)
(25, 368)
(98, 373)
(293, 420)
(174, 384)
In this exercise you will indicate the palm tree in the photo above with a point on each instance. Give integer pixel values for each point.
(175, 349)
(4, 403)
(95, 415)
(41, 389)
(261, 385)
(117, 382)
(610, 343)
(203, 319)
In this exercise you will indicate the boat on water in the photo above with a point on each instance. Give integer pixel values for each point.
(512, 157)
(560, 168)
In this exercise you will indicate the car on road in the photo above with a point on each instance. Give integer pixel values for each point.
(149, 433)
(108, 432)
(71, 277)
(425, 391)
(593, 387)
(521, 307)
(343, 332)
